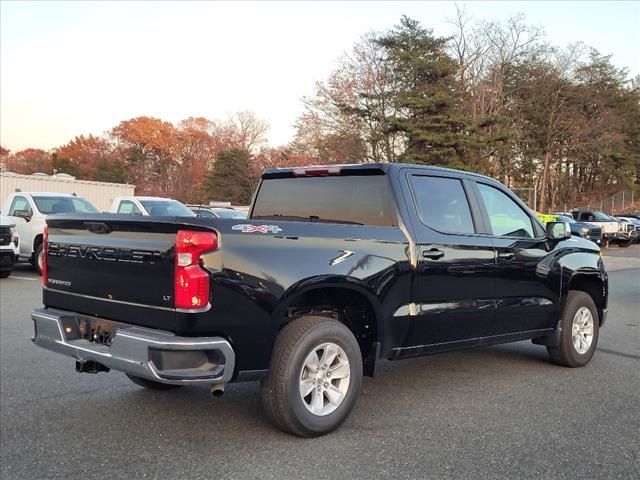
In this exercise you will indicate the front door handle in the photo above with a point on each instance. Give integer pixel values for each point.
(506, 256)
(433, 254)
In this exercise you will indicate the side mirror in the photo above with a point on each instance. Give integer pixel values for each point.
(558, 230)
(24, 214)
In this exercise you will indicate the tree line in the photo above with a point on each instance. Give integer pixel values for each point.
(196, 160)
(493, 98)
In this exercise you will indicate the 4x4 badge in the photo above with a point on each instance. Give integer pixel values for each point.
(246, 228)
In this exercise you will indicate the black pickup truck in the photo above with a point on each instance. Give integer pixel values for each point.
(336, 269)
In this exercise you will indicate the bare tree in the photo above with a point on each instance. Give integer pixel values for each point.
(247, 131)
(349, 112)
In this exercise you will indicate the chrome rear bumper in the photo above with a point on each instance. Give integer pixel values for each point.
(154, 354)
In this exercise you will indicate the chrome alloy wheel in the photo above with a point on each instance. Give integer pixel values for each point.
(582, 330)
(324, 379)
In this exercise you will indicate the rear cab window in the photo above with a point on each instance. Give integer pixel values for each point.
(352, 199)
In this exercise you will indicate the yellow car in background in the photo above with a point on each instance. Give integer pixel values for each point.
(546, 217)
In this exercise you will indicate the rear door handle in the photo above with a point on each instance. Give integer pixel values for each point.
(506, 256)
(433, 254)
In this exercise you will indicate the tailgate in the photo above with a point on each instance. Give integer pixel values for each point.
(113, 266)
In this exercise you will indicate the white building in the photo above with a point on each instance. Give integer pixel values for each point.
(100, 194)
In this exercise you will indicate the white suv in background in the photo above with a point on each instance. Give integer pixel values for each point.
(9, 246)
(28, 211)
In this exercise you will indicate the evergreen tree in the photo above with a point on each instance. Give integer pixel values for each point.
(231, 177)
(430, 109)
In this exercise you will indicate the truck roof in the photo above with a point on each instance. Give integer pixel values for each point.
(363, 168)
(45, 194)
(142, 198)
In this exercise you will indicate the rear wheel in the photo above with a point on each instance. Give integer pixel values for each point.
(314, 378)
(150, 384)
(5, 274)
(580, 328)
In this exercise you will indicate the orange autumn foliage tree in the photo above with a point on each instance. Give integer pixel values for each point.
(162, 158)
(30, 160)
(86, 155)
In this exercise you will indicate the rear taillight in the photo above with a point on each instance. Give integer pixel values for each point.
(45, 238)
(191, 280)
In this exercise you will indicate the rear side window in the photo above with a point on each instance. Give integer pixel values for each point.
(442, 204)
(359, 200)
(507, 218)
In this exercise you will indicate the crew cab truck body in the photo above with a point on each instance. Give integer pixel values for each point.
(336, 269)
(28, 210)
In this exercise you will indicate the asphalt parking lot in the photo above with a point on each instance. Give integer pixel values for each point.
(497, 412)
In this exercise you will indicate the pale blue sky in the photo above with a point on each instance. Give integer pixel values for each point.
(71, 68)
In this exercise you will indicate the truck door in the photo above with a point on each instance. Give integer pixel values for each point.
(453, 289)
(526, 298)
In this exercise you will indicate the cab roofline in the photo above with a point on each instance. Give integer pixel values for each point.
(359, 169)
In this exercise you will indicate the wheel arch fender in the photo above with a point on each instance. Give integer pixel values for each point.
(592, 282)
(337, 291)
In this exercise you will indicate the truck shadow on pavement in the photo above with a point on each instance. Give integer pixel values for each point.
(398, 385)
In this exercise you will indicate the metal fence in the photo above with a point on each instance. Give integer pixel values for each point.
(619, 202)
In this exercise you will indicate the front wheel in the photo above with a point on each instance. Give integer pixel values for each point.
(314, 377)
(580, 328)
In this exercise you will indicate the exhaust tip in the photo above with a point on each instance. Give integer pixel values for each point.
(217, 389)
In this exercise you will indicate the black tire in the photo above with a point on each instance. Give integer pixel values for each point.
(5, 274)
(150, 384)
(36, 256)
(280, 389)
(566, 353)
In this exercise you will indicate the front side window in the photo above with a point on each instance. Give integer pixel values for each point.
(506, 217)
(129, 208)
(20, 203)
(442, 204)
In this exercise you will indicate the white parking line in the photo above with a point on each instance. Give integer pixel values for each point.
(24, 278)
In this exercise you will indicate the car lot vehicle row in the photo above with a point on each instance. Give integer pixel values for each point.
(28, 211)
